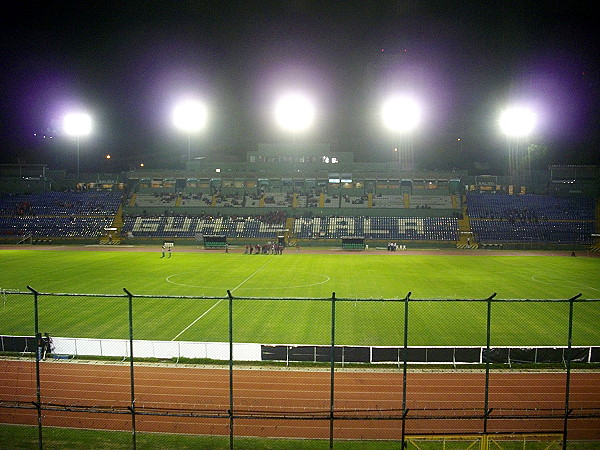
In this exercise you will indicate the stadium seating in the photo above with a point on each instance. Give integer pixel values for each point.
(354, 201)
(166, 199)
(494, 219)
(529, 206)
(531, 219)
(430, 201)
(380, 228)
(58, 214)
(196, 199)
(388, 201)
(259, 227)
(278, 200)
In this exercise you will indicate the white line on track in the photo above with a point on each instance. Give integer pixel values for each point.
(219, 301)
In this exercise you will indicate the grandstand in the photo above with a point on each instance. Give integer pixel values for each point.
(417, 209)
(59, 215)
(532, 219)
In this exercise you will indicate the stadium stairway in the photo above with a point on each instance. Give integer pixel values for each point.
(115, 238)
(464, 228)
(466, 246)
(289, 225)
(133, 199)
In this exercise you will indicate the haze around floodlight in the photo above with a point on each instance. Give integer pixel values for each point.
(294, 112)
(517, 121)
(401, 114)
(77, 124)
(190, 116)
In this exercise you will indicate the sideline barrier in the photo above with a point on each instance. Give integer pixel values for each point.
(431, 355)
(219, 351)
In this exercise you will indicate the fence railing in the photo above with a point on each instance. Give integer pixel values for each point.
(483, 415)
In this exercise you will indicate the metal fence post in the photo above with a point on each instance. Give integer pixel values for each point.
(486, 410)
(332, 366)
(131, 372)
(38, 350)
(568, 375)
(405, 370)
(230, 369)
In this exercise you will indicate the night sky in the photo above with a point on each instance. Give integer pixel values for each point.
(126, 62)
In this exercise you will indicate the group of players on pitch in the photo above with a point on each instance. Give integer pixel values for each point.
(270, 248)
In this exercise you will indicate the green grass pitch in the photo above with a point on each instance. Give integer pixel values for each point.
(302, 275)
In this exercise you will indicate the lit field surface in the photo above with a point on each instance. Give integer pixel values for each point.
(352, 276)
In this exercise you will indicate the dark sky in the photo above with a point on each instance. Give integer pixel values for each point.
(126, 62)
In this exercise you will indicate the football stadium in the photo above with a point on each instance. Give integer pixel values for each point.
(300, 225)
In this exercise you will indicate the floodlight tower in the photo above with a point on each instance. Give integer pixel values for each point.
(401, 115)
(294, 112)
(190, 116)
(517, 123)
(77, 125)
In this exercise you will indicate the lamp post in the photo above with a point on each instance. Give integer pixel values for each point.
(77, 125)
(190, 116)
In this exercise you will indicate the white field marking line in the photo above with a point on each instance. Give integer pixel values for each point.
(197, 319)
(325, 280)
(568, 285)
(219, 301)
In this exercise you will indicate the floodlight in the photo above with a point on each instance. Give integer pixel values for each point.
(517, 121)
(294, 112)
(401, 114)
(190, 116)
(77, 124)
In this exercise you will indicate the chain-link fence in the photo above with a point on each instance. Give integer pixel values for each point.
(334, 369)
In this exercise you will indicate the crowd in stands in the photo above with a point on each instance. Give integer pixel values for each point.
(196, 199)
(280, 199)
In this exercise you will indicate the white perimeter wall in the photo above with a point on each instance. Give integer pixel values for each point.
(154, 349)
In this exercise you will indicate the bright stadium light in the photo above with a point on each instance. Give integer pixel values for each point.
(401, 114)
(77, 125)
(294, 112)
(190, 116)
(517, 121)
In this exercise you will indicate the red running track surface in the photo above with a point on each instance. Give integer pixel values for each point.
(438, 402)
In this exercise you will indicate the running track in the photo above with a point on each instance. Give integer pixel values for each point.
(300, 396)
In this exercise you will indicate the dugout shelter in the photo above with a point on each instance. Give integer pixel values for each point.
(214, 241)
(353, 243)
